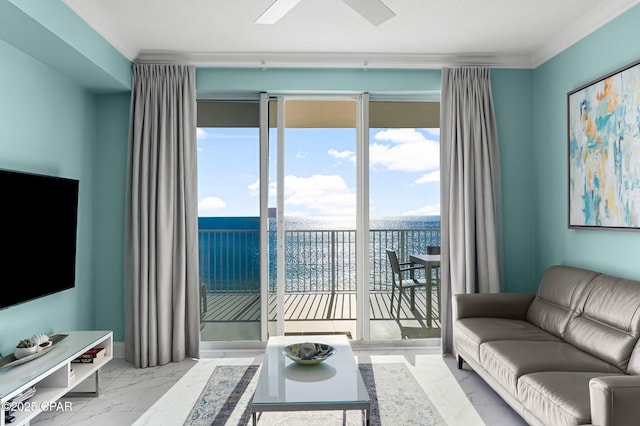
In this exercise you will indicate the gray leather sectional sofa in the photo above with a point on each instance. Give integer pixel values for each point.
(566, 355)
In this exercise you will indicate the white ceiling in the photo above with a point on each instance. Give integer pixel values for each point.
(423, 34)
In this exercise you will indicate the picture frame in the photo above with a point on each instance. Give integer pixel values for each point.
(603, 132)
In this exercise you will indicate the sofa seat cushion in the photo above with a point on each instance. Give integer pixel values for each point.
(506, 361)
(470, 333)
(558, 397)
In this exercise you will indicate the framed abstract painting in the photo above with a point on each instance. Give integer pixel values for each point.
(604, 152)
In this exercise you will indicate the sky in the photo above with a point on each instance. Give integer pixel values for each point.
(320, 172)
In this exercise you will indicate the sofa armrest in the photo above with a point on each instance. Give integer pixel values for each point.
(614, 400)
(492, 305)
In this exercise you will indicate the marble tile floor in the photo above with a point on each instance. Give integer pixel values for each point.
(164, 395)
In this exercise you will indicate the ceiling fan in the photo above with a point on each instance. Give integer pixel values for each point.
(374, 11)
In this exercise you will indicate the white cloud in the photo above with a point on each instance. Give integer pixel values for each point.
(433, 132)
(317, 195)
(201, 133)
(316, 183)
(301, 154)
(409, 151)
(429, 210)
(342, 155)
(210, 205)
(399, 136)
(429, 177)
(320, 194)
(254, 188)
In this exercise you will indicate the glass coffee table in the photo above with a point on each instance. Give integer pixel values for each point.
(334, 384)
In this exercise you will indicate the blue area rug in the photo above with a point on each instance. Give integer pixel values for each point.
(397, 399)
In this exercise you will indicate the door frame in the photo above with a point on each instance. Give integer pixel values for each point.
(362, 207)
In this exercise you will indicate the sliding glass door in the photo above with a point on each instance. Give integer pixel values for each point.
(299, 198)
(404, 188)
(229, 220)
(312, 286)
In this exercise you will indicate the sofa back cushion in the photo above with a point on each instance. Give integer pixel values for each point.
(608, 324)
(561, 293)
(634, 361)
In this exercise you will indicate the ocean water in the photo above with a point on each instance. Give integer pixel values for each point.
(320, 253)
(375, 223)
(321, 223)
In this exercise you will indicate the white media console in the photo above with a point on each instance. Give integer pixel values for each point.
(51, 373)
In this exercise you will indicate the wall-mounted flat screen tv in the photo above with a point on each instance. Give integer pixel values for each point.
(38, 229)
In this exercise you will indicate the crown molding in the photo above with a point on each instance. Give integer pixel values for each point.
(266, 60)
(591, 21)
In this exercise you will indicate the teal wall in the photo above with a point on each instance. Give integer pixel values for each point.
(110, 189)
(513, 105)
(47, 125)
(614, 252)
(243, 80)
(64, 112)
(57, 37)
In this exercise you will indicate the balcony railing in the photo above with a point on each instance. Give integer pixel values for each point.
(316, 260)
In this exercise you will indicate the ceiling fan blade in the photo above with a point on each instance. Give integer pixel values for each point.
(276, 11)
(374, 11)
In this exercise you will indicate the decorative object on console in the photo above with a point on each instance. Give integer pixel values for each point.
(604, 150)
(39, 338)
(308, 352)
(25, 348)
(33, 352)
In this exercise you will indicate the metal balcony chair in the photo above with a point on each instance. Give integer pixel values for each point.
(402, 276)
(435, 280)
(204, 303)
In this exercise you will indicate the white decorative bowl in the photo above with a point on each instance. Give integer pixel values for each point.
(39, 338)
(321, 352)
(44, 346)
(24, 352)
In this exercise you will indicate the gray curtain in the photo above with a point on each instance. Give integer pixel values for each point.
(162, 320)
(470, 190)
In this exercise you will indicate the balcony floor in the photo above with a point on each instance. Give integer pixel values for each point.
(245, 307)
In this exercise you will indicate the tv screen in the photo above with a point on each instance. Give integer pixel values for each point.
(38, 227)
